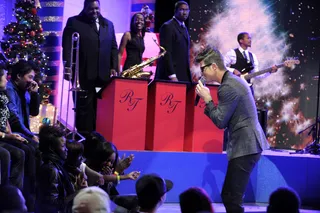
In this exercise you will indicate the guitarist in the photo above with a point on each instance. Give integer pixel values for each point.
(240, 60)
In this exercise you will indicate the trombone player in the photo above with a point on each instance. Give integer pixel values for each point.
(97, 62)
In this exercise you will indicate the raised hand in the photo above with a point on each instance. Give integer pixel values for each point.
(124, 163)
(106, 170)
(133, 175)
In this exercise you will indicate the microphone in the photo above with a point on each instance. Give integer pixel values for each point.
(203, 81)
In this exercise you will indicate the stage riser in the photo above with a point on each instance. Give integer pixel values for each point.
(208, 170)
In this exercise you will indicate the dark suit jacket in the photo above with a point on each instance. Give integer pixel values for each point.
(98, 52)
(176, 60)
(237, 111)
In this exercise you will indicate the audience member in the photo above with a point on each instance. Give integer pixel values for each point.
(23, 95)
(11, 200)
(284, 200)
(195, 200)
(80, 174)
(151, 192)
(91, 200)
(54, 187)
(7, 120)
(102, 157)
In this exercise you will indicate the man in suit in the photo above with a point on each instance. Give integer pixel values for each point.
(174, 37)
(98, 59)
(237, 111)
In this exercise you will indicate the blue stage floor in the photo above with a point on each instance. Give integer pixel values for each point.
(207, 170)
(219, 208)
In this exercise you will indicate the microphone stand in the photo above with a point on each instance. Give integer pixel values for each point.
(314, 147)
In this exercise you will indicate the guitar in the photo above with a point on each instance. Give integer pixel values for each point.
(288, 63)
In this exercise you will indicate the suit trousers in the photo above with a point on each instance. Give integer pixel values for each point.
(236, 181)
(86, 110)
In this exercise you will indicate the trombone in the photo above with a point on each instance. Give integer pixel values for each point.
(73, 86)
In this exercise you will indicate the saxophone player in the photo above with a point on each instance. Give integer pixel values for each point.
(98, 59)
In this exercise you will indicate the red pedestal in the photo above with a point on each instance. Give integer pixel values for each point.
(201, 135)
(166, 116)
(122, 112)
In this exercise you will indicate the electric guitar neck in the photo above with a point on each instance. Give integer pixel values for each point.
(287, 63)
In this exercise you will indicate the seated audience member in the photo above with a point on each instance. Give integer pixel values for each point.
(54, 187)
(12, 200)
(12, 165)
(91, 200)
(23, 95)
(16, 140)
(284, 200)
(4, 166)
(195, 200)
(151, 192)
(80, 174)
(103, 158)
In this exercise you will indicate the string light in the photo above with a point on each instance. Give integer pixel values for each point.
(28, 27)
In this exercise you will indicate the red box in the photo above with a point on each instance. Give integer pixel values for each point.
(166, 116)
(201, 135)
(122, 112)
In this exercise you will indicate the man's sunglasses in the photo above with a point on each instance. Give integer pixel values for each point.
(203, 67)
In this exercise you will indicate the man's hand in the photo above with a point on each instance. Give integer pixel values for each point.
(174, 79)
(34, 86)
(203, 92)
(17, 137)
(274, 68)
(236, 72)
(113, 72)
(35, 138)
(67, 74)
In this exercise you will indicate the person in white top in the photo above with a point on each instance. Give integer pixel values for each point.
(240, 59)
(91, 200)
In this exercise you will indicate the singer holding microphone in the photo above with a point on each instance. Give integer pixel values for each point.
(237, 111)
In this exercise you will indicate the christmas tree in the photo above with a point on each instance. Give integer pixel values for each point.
(24, 38)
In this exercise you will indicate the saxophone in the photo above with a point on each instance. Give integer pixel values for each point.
(136, 70)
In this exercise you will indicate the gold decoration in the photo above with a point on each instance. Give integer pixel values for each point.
(51, 18)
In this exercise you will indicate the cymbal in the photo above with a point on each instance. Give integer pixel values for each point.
(316, 77)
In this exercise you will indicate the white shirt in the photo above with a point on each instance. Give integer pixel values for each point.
(97, 23)
(83, 169)
(231, 58)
